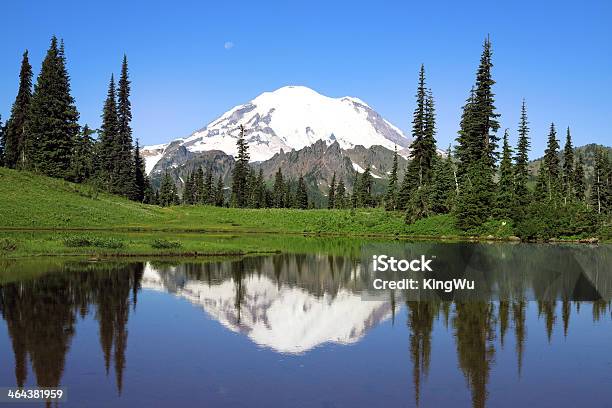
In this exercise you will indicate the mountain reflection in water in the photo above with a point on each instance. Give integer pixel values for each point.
(287, 304)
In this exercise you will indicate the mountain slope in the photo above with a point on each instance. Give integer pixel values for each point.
(292, 117)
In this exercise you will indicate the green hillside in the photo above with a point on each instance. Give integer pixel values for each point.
(29, 201)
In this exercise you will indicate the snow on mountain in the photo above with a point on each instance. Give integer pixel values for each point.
(291, 117)
(287, 319)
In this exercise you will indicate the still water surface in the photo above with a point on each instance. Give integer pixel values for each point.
(292, 330)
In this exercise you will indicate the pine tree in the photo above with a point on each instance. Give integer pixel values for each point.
(261, 192)
(149, 193)
(241, 173)
(443, 193)
(109, 143)
(209, 187)
(301, 195)
(340, 198)
(124, 165)
(600, 181)
(140, 175)
(52, 125)
(364, 188)
(391, 194)
(14, 134)
(568, 167)
(477, 144)
(278, 190)
(521, 170)
(548, 178)
(331, 195)
(200, 196)
(82, 166)
(166, 191)
(505, 188)
(188, 189)
(219, 193)
(579, 183)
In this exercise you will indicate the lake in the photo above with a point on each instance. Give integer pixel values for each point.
(295, 330)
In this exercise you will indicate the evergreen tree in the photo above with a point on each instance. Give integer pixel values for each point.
(82, 166)
(443, 194)
(278, 190)
(364, 188)
(188, 189)
(240, 173)
(14, 134)
(200, 196)
(548, 178)
(391, 194)
(219, 193)
(52, 125)
(477, 144)
(340, 197)
(505, 188)
(600, 186)
(521, 170)
(568, 167)
(331, 195)
(149, 193)
(166, 191)
(260, 192)
(140, 176)
(109, 149)
(124, 166)
(301, 195)
(209, 187)
(579, 182)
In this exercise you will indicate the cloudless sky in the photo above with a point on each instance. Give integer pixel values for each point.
(185, 71)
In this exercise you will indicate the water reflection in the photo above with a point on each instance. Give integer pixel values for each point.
(285, 303)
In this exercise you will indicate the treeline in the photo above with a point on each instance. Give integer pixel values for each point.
(478, 183)
(43, 134)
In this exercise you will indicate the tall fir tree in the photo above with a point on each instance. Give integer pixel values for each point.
(124, 166)
(14, 134)
(301, 194)
(601, 179)
(140, 175)
(568, 168)
(579, 182)
(199, 195)
(521, 169)
(331, 194)
(505, 201)
(209, 187)
(220, 193)
(340, 198)
(240, 173)
(82, 166)
(391, 194)
(278, 190)
(547, 185)
(364, 188)
(167, 191)
(477, 147)
(109, 143)
(52, 124)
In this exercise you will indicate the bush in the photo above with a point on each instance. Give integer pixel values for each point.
(92, 241)
(160, 243)
(7, 245)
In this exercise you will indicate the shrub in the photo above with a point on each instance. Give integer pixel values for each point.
(92, 241)
(161, 243)
(7, 244)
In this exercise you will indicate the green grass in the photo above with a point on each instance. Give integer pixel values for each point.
(87, 218)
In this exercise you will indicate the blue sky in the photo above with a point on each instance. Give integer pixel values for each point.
(555, 54)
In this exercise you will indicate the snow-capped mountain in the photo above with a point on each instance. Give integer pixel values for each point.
(284, 318)
(290, 118)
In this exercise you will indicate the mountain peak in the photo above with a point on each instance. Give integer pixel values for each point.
(291, 118)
